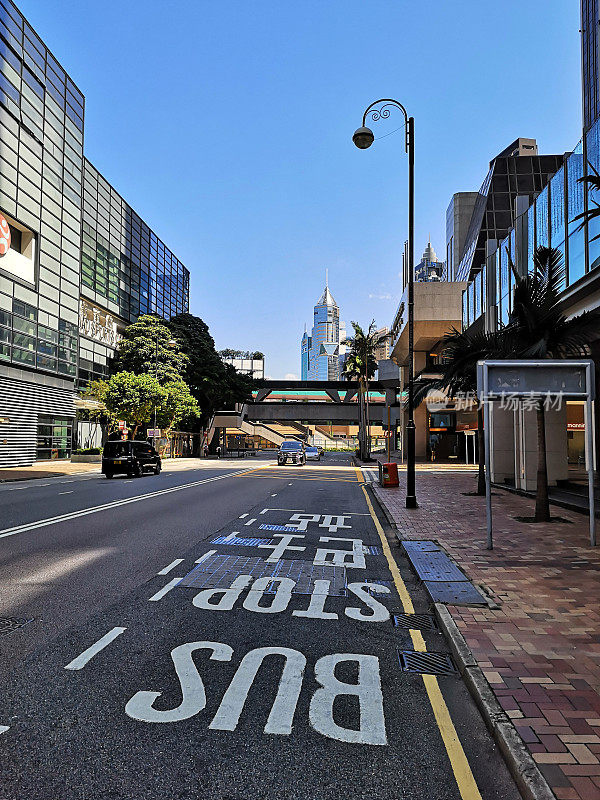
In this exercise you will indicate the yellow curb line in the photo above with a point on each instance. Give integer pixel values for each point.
(458, 760)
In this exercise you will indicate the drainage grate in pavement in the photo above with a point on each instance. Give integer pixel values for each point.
(10, 624)
(240, 541)
(426, 663)
(436, 566)
(373, 587)
(455, 593)
(421, 546)
(416, 622)
(219, 572)
(371, 550)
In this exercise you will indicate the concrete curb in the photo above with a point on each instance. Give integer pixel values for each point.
(524, 770)
(389, 519)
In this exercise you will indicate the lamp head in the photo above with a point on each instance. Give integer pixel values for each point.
(363, 138)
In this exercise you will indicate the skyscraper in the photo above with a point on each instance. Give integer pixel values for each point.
(320, 352)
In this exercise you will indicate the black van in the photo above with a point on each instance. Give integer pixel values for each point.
(131, 458)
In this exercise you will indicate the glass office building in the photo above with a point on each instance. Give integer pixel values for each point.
(61, 312)
(126, 270)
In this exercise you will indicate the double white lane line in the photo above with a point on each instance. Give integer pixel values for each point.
(42, 523)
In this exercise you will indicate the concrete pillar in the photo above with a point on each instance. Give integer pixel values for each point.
(556, 447)
(502, 444)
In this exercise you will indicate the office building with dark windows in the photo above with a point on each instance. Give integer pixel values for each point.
(126, 270)
(61, 310)
(545, 201)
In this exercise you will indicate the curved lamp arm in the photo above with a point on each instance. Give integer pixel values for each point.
(383, 112)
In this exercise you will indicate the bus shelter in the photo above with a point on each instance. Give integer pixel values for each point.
(554, 380)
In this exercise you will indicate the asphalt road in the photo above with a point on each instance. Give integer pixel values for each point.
(214, 634)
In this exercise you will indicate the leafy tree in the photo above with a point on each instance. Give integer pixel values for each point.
(360, 366)
(146, 349)
(213, 384)
(539, 329)
(132, 397)
(177, 405)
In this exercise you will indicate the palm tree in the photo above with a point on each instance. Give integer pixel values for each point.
(361, 365)
(461, 352)
(538, 328)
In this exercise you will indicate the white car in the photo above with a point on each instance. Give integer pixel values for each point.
(312, 454)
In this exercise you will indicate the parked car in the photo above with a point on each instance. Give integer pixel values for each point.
(129, 458)
(292, 451)
(312, 454)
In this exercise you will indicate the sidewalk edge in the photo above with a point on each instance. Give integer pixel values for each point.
(383, 508)
(525, 772)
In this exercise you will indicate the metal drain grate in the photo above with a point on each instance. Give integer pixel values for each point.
(416, 622)
(426, 663)
(373, 587)
(10, 624)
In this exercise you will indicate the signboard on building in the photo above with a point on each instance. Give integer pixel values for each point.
(97, 324)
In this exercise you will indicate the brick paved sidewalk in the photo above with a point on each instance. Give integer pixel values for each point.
(540, 651)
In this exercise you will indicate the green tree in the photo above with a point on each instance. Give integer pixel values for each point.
(360, 366)
(146, 348)
(133, 398)
(538, 328)
(177, 405)
(215, 385)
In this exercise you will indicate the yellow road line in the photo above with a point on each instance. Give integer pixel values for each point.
(359, 475)
(461, 768)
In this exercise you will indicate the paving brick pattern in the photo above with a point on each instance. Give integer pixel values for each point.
(540, 651)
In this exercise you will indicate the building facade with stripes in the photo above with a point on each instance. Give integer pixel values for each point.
(77, 264)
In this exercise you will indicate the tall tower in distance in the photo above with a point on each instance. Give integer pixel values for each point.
(320, 352)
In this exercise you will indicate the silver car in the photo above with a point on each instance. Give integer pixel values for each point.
(312, 454)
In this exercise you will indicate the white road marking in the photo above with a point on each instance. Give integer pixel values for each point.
(230, 537)
(250, 521)
(274, 495)
(87, 655)
(207, 554)
(171, 566)
(165, 590)
(338, 558)
(19, 488)
(69, 492)
(192, 688)
(242, 516)
(264, 511)
(4, 728)
(114, 504)
(283, 709)
(316, 606)
(284, 544)
(368, 691)
(280, 600)
(226, 597)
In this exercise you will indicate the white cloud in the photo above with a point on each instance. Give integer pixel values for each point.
(386, 296)
(289, 376)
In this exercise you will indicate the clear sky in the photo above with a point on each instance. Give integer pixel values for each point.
(227, 126)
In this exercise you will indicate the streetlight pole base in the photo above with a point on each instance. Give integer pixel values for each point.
(411, 501)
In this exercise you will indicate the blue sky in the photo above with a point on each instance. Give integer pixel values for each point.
(227, 126)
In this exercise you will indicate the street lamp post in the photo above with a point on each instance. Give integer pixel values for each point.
(364, 138)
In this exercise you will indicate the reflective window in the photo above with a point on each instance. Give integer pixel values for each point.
(593, 157)
(575, 205)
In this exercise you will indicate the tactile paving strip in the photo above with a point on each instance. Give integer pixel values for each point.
(219, 572)
(436, 566)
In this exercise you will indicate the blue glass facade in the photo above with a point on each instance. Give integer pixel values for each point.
(550, 220)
